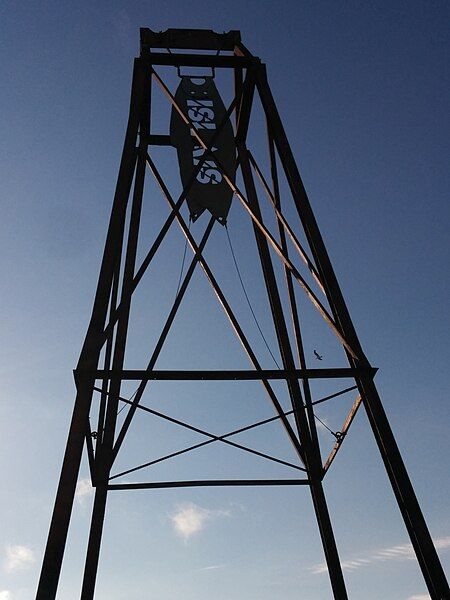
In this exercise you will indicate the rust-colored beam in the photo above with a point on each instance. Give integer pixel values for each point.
(298, 277)
(342, 433)
(282, 219)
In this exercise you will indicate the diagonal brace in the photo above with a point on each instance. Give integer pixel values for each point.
(162, 339)
(228, 311)
(309, 292)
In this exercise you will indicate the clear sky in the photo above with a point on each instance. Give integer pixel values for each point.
(363, 88)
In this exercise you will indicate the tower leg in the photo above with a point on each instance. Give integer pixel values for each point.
(105, 453)
(316, 487)
(311, 449)
(59, 526)
(328, 541)
(408, 504)
(415, 523)
(56, 541)
(95, 537)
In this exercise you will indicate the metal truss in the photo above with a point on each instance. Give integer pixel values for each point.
(106, 337)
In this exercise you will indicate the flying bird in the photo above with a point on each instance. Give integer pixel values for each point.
(317, 355)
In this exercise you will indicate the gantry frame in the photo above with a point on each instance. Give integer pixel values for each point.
(107, 332)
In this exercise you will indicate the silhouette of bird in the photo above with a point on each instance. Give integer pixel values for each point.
(317, 355)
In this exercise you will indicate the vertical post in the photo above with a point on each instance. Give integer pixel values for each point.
(105, 456)
(291, 295)
(415, 523)
(107, 359)
(312, 462)
(317, 492)
(56, 541)
(238, 86)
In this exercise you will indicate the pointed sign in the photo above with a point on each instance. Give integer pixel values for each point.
(199, 99)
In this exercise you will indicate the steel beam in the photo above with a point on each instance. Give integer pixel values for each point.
(164, 229)
(213, 438)
(311, 454)
(195, 39)
(276, 201)
(305, 286)
(229, 313)
(343, 432)
(198, 60)
(206, 483)
(54, 551)
(162, 338)
(104, 457)
(415, 523)
(230, 375)
(114, 334)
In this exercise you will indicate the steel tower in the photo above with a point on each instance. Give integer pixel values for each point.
(211, 163)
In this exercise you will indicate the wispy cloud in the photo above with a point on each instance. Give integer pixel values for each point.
(190, 519)
(84, 490)
(420, 597)
(401, 552)
(209, 568)
(5, 595)
(18, 558)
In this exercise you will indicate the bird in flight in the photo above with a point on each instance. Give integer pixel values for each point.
(317, 355)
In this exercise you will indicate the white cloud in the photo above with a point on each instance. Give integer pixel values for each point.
(401, 552)
(190, 519)
(5, 595)
(442, 543)
(83, 491)
(18, 558)
(420, 597)
(209, 568)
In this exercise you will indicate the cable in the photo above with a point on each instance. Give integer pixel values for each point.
(259, 328)
(178, 289)
(333, 433)
(184, 258)
(248, 300)
(130, 399)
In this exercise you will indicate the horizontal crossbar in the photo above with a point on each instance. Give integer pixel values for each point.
(159, 140)
(233, 375)
(206, 483)
(198, 39)
(198, 60)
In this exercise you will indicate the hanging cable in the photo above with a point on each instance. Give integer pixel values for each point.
(334, 434)
(130, 399)
(248, 299)
(184, 259)
(178, 289)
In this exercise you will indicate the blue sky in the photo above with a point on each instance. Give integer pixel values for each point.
(363, 92)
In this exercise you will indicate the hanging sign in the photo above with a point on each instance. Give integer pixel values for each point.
(199, 99)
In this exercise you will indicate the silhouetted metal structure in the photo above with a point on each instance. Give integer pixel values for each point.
(119, 277)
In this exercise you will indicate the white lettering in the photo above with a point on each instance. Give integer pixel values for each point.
(209, 172)
(201, 114)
